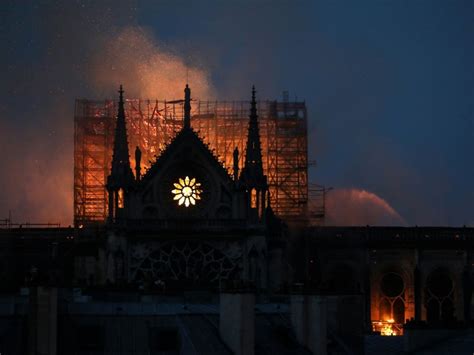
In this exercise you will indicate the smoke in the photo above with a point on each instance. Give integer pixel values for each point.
(354, 207)
(36, 183)
(377, 118)
(146, 67)
(80, 49)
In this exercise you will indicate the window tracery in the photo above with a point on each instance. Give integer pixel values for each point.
(187, 191)
(186, 260)
(439, 296)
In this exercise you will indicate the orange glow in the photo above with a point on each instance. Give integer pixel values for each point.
(146, 68)
(355, 207)
(36, 172)
(152, 124)
(120, 200)
(253, 198)
(387, 327)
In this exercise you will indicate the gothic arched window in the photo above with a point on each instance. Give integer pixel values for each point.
(439, 296)
(392, 302)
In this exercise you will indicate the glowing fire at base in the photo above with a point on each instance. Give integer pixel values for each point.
(387, 327)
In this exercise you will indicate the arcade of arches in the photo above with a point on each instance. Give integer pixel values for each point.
(397, 284)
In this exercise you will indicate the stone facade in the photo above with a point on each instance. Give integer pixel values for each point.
(416, 273)
(187, 224)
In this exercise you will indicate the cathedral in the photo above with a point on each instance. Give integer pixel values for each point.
(187, 222)
(192, 259)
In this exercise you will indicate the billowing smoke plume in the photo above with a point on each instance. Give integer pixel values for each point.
(146, 67)
(354, 207)
(91, 62)
(85, 50)
(36, 179)
(371, 102)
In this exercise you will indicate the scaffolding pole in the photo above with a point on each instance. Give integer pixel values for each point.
(221, 124)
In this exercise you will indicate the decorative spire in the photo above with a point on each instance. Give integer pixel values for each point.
(187, 107)
(121, 170)
(121, 177)
(252, 177)
(253, 156)
(138, 168)
(236, 164)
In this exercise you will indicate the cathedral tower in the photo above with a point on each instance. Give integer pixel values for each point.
(121, 176)
(252, 177)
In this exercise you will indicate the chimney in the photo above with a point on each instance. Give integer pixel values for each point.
(237, 321)
(309, 321)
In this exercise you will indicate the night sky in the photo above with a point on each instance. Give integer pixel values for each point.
(388, 85)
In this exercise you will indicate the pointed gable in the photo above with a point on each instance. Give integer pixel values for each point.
(186, 139)
(186, 180)
(186, 158)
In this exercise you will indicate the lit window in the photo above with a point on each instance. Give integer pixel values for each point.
(392, 305)
(120, 200)
(253, 198)
(186, 191)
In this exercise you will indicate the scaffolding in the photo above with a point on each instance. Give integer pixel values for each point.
(221, 124)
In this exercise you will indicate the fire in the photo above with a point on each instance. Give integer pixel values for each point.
(387, 327)
(152, 124)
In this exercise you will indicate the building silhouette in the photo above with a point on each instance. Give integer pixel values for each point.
(191, 257)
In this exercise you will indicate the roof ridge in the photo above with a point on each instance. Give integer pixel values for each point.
(168, 148)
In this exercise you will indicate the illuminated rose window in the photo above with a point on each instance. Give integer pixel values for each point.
(186, 191)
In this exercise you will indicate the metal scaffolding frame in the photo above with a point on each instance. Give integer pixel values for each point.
(221, 124)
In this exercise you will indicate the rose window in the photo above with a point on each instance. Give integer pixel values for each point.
(186, 191)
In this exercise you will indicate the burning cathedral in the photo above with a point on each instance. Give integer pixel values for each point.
(187, 221)
(201, 240)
